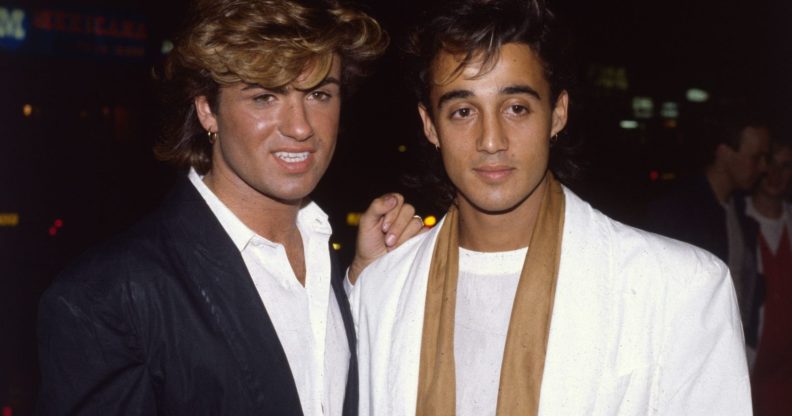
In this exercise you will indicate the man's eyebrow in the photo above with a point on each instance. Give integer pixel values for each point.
(520, 89)
(452, 95)
(276, 90)
(326, 81)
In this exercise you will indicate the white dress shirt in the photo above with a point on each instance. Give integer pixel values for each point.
(307, 319)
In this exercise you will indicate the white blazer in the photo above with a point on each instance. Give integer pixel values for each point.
(641, 325)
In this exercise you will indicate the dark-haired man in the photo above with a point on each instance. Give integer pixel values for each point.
(525, 300)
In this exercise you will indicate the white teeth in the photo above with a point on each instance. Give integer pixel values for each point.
(291, 157)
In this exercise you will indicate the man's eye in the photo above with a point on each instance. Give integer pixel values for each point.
(264, 98)
(518, 109)
(320, 96)
(461, 113)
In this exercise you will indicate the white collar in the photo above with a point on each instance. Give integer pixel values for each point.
(310, 218)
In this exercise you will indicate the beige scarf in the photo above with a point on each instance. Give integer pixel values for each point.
(526, 340)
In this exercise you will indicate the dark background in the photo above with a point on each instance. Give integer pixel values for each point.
(83, 153)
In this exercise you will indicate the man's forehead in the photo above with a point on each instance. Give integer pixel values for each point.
(514, 60)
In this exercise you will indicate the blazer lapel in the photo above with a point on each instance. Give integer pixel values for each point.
(227, 292)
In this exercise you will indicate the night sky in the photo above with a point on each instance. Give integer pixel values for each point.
(83, 154)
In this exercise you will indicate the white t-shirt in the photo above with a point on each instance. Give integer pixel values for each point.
(771, 228)
(485, 295)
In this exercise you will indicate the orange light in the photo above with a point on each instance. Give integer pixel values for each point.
(27, 110)
(353, 218)
(9, 219)
(430, 221)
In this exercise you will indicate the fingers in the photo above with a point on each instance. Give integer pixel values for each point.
(382, 211)
(405, 224)
(414, 227)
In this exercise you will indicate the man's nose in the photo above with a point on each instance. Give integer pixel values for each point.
(294, 121)
(493, 138)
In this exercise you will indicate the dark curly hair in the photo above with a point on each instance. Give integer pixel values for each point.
(476, 29)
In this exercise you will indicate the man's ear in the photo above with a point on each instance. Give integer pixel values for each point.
(560, 113)
(428, 126)
(205, 115)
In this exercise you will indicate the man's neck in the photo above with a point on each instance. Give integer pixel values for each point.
(271, 219)
(720, 183)
(768, 206)
(505, 231)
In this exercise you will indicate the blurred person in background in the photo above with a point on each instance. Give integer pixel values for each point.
(524, 299)
(768, 205)
(228, 299)
(708, 209)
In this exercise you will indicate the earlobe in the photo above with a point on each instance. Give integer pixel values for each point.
(204, 112)
(560, 113)
(428, 126)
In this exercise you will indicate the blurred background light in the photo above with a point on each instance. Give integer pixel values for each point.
(697, 95)
(628, 124)
(167, 46)
(430, 221)
(353, 218)
(643, 107)
(9, 219)
(669, 109)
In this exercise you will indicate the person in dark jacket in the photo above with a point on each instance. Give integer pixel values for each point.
(708, 209)
(227, 300)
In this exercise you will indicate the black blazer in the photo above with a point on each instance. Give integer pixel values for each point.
(166, 320)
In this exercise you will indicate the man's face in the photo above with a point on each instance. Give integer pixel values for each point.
(493, 130)
(748, 162)
(276, 143)
(778, 179)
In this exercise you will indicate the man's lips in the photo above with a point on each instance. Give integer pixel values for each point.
(294, 161)
(493, 172)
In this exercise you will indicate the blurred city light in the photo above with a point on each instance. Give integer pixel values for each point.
(669, 109)
(643, 107)
(8, 411)
(27, 110)
(430, 221)
(654, 175)
(697, 95)
(9, 219)
(12, 24)
(402, 148)
(628, 124)
(167, 46)
(353, 218)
